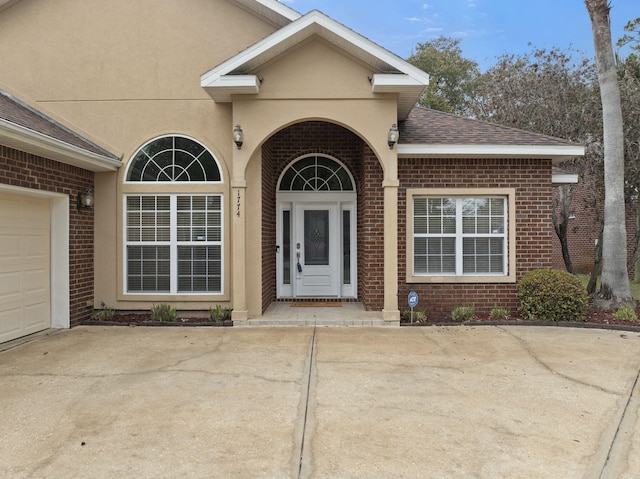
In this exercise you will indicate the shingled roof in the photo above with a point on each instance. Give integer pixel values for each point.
(426, 126)
(19, 113)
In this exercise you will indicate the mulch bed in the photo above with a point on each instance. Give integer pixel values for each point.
(144, 319)
(596, 318)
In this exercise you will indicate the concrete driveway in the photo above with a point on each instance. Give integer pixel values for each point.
(455, 402)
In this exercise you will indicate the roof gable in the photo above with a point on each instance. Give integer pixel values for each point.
(389, 73)
(331, 75)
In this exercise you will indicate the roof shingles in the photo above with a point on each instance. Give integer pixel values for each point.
(426, 126)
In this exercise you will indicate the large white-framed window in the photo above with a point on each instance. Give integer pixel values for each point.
(461, 235)
(173, 237)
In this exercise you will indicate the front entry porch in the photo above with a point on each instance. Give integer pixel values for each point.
(328, 223)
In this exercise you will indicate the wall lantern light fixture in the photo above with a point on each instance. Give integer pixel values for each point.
(85, 199)
(238, 136)
(392, 137)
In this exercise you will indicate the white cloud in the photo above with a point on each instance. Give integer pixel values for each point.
(421, 19)
(472, 33)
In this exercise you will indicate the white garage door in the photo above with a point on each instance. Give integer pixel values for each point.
(25, 293)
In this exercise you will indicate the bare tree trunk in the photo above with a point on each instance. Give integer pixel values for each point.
(615, 278)
(561, 224)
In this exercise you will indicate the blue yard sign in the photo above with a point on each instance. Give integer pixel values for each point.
(413, 299)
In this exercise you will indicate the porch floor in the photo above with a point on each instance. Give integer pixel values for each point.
(349, 314)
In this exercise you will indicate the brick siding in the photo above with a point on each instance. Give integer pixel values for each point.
(269, 180)
(584, 228)
(316, 137)
(534, 230)
(28, 171)
(530, 178)
(371, 233)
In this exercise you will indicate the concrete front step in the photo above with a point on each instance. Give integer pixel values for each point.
(346, 315)
(317, 323)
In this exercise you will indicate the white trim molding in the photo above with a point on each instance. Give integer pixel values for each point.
(31, 141)
(556, 152)
(564, 179)
(272, 10)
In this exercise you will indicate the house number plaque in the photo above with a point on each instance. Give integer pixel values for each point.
(238, 205)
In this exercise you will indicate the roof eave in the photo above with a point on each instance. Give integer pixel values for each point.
(408, 88)
(30, 141)
(273, 10)
(223, 87)
(557, 153)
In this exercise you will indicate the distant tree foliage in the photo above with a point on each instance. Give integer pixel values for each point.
(551, 92)
(632, 35)
(453, 78)
(548, 91)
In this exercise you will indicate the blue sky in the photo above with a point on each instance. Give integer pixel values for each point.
(487, 28)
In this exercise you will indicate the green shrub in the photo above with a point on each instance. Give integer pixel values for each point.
(461, 314)
(418, 316)
(626, 313)
(552, 295)
(104, 314)
(219, 314)
(163, 312)
(499, 312)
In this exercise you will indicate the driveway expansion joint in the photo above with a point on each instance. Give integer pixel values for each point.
(619, 449)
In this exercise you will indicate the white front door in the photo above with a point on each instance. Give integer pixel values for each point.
(316, 249)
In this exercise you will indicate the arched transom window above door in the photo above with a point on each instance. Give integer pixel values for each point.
(316, 173)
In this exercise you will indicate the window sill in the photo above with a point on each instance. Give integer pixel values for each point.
(460, 279)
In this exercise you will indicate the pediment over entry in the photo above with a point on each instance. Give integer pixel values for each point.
(388, 72)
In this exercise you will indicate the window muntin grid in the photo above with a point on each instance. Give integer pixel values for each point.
(173, 159)
(174, 244)
(316, 173)
(459, 236)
